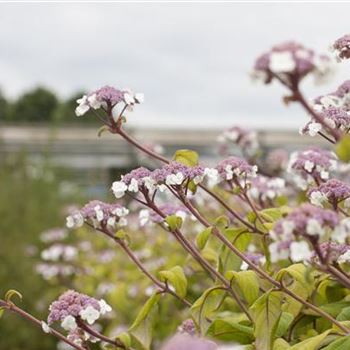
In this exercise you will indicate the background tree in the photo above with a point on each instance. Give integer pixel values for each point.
(36, 105)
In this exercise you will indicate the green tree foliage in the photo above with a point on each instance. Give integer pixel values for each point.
(38, 105)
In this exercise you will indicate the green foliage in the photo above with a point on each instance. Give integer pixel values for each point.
(343, 149)
(34, 106)
(187, 157)
(176, 277)
(266, 313)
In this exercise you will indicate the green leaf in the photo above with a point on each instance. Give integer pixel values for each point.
(342, 149)
(125, 339)
(141, 329)
(229, 329)
(2, 310)
(177, 279)
(285, 320)
(342, 343)
(344, 314)
(266, 314)
(174, 222)
(186, 157)
(281, 344)
(311, 343)
(202, 237)
(222, 222)
(271, 214)
(102, 129)
(298, 281)
(206, 305)
(10, 293)
(248, 283)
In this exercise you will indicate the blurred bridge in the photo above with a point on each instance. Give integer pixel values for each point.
(79, 147)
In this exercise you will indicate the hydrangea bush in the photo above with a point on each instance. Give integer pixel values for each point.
(262, 240)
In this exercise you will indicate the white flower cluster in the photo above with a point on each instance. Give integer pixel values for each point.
(75, 220)
(59, 251)
(89, 314)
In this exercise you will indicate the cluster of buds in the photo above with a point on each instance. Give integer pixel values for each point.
(236, 171)
(293, 234)
(73, 310)
(290, 62)
(107, 98)
(333, 192)
(245, 139)
(100, 215)
(265, 189)
(311, 166)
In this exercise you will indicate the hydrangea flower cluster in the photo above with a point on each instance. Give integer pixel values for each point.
(150, 216)
(48, 271)
(340, 98)
(333, 252)
(107, 97)
(189, 342)
(172, 174)
(333, 118)
(99, 214)
(237, 170)
(290, 59)
(333, 191)
(308, 222)
(311, 166)
(341, 47)
(246, 140)
(73, 307)
(264, 189)
(54, 234)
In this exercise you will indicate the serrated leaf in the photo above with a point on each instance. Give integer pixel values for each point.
(186, 157)
(10, 293)
(174, 222)
(177, 279)
(342, 148)
(202, 237)
(248, 283)
(266, 313)
(141, 330)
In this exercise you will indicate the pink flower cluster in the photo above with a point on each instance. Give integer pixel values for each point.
(306, 222)
(107, 97)
(265, 189)
(236, 170)
(341, 47)
(333, 191)
(99, 214)
(290, 61)
(311, 166)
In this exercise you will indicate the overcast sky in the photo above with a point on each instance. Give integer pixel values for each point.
(191, 60)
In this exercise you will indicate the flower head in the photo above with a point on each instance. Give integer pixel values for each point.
(107, 97)
(265, 189)
(310, 166)
(236, 169)
(332, 191)
(189, 342)
(290, 61)
(331, 251)
(70, 303)
(99, 214)
(341, 47)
